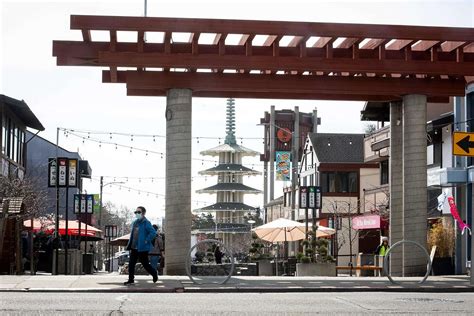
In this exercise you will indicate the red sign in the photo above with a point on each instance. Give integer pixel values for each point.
(366, 222)
(284, 135)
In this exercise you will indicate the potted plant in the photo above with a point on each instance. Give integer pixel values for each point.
(264, 266)
(315, 261)
(442, 236)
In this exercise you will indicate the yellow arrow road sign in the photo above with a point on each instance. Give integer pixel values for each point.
(463, 144)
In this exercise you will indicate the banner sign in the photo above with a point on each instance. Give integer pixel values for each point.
(73, 173)
(314, 197)
(366, 222)
(83, 203)
(303, 197)
(63, 173)
(96, 203)
(52, 172)
(111, 231)
(283, 166)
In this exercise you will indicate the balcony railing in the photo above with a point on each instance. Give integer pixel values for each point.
(377, 145)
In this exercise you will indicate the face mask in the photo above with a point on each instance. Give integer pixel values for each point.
(138, 216)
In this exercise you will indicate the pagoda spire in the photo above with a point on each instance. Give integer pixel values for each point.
(230, 122)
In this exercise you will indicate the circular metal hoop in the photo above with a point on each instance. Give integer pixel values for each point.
(209, 241)
(385, 260)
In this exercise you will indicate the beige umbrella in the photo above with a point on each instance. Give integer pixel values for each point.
(283, 229)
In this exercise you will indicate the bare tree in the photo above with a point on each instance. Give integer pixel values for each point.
(33, 198)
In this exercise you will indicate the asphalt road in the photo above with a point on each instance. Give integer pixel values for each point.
(236, 304)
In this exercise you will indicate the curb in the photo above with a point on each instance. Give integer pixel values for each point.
(327, 289)
(240, 290)
(93, 290)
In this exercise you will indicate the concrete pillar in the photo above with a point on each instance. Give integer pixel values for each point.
(414, 183)
(396, 186)
(178, 179)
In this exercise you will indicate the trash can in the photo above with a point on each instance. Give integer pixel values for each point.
(87, 263)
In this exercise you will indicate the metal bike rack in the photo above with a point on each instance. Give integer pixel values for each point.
(385, 260)
(209, 241)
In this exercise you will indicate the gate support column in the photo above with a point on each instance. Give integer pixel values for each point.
(396, 186)
(178, 179)
(414, 183)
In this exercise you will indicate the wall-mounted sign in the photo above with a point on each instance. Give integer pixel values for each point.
(366, 222)
(283, 166)
(284, 135)
(63, 173)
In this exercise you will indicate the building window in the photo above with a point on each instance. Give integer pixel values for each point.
(13, 138)
(384, 172)
(339, 182)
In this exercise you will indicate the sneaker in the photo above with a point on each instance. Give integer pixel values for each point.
(155, 278)
(129, 283)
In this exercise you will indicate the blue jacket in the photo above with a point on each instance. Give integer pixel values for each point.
(146, 233)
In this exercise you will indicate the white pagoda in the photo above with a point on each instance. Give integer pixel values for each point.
(230, 208)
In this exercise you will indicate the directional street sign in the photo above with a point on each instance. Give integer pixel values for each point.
(463, 144)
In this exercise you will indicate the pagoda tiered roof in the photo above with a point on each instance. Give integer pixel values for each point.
(230, 148)
(229, 187)
(229, 168)
(227, 206)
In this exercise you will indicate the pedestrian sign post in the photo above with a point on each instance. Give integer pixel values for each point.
(463, 144)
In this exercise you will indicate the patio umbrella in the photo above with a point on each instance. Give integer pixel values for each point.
(283, 229)
(120, 241)
(48, 227)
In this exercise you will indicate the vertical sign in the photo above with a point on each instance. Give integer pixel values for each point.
(303, 197)
(83, 203)
(319, 198)
(96, 203)
(62, 172)
(90, 203)
(73, 171)
(52, 172)
(311, 197)
(283, 166)
(77, 203)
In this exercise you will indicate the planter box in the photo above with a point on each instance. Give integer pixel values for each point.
(316, 269)
(265, 268)
(443, 266)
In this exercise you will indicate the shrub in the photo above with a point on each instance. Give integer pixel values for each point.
(442, 236)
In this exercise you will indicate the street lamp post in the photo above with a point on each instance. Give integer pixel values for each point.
(102, 185)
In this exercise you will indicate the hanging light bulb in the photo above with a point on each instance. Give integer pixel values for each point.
(88, 135)
(198, 140)
(83, 140)
(100, 144)
(131, 138)
(146, 154)
(110, 135)
(154, 138)
(130, 149)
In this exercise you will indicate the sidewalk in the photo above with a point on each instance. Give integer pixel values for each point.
(113, 283)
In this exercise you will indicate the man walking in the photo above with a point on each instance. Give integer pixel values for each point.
(139, 244)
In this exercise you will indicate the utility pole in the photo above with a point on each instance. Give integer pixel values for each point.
(100, 220)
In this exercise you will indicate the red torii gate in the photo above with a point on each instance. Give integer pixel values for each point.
(328, 61)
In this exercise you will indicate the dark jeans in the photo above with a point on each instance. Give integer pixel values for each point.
(143, 258)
